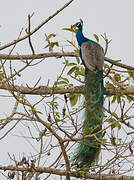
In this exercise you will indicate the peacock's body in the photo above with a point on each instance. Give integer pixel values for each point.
(93, 59)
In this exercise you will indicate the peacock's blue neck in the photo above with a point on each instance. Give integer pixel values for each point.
(80, 37)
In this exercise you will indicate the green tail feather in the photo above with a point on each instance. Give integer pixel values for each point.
(88, 150)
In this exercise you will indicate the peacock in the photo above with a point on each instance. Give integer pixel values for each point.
(92, 57)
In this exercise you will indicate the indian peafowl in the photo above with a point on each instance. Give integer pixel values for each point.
(93, 59)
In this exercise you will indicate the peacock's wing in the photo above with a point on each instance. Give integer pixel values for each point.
(92, 55)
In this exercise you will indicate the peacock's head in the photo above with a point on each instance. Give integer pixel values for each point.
(78, 24)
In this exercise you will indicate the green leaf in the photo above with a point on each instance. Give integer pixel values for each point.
(117, 77)
(108, 84)
(54, 44)
(65, 79)
(70, 29)
(106, 65)
(131, 74)
(59, 120)
(51, 45)
(114, 99)
(71, 64)
(73, 99)
(10, 166)
(118, 99)
(60, 83)
(47, 45)
(73, 69)
(116, 124)
(103, 141)
(111, 120)
(57, 114)
(2, 75)
(39, 112)
(66, 62)
(120, 140)
(77, 50)
(129, 98)
(103, 50)
(82, 70)
(115, 114)
(96, 37)
(78, 60)
(51, 35)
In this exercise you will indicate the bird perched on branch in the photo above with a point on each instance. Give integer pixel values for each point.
(92, 57)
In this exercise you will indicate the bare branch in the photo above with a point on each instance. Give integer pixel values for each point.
(63, 173)
(29, 32)
(59, 55)
(37, 28)
(44, 90)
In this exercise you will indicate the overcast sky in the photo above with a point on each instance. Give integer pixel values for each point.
(115, 17)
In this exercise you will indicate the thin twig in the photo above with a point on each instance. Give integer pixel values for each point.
(107, 43)
(29, 33)
(37, 28)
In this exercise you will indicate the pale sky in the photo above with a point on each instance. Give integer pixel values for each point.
(114, 17)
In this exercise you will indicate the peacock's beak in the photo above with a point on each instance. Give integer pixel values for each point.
(76, 24)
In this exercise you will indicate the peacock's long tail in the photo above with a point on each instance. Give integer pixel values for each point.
(88, 149)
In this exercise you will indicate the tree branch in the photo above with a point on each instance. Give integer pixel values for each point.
(38, 56)
(63, 173)
(37, 28)
(44, 90)
(58, 55)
